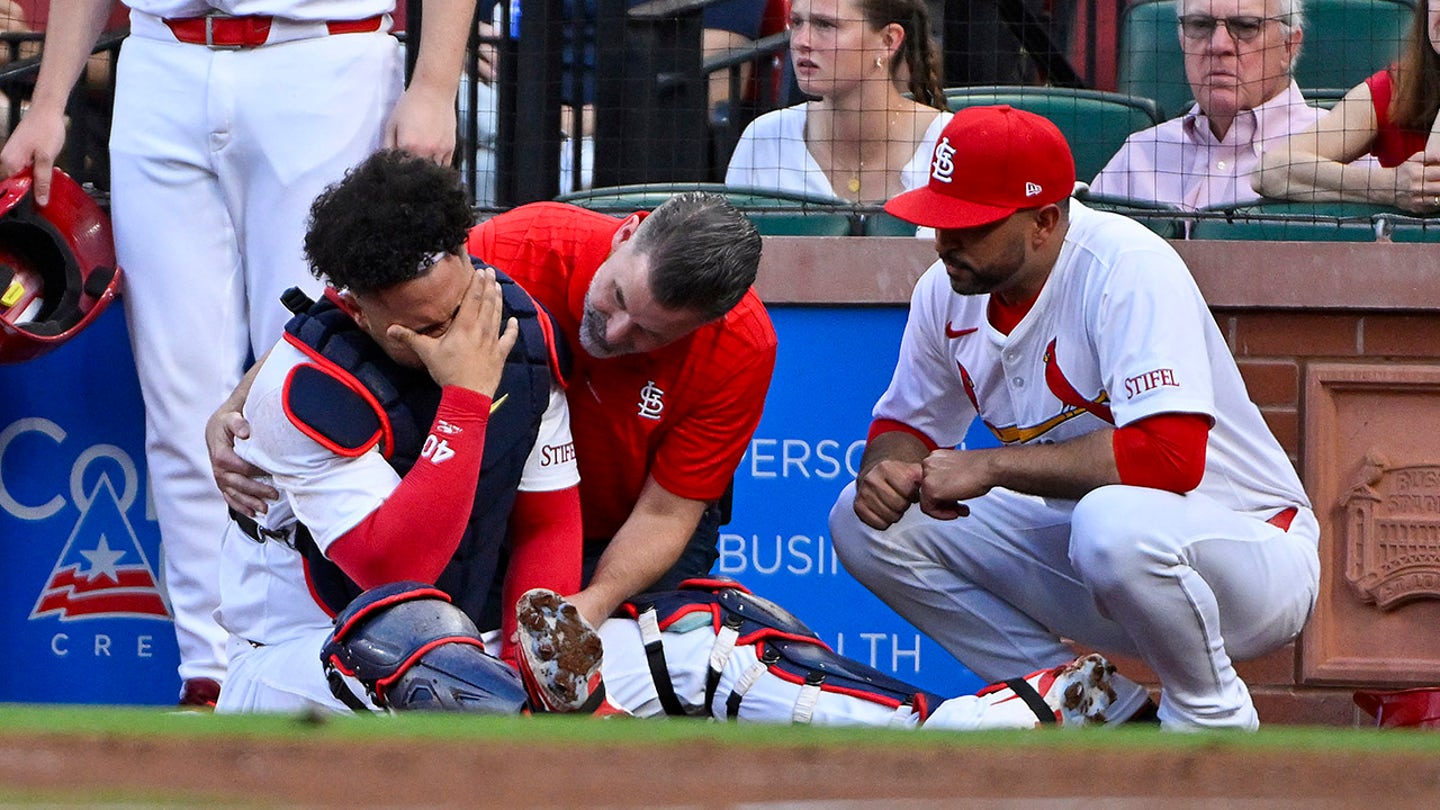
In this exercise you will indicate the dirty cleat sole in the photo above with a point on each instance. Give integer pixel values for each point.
(1082, 692)
(560, 654)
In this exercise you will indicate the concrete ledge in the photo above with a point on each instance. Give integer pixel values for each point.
(1345, 276)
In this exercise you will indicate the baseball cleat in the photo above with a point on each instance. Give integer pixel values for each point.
(199, 694)
(1073, 695)
(560, 654)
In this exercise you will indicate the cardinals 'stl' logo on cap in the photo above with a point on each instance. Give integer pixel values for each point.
(1032, 189)
(943, 166)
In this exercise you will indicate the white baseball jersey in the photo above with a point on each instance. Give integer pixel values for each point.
(264, 594)
(1110, 340)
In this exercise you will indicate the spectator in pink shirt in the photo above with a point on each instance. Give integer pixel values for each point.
(1239, 59)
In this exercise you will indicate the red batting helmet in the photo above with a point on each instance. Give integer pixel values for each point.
(1413, 708)
(57, 265)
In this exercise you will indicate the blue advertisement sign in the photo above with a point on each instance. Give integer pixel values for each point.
(82, 612)
(833, 363)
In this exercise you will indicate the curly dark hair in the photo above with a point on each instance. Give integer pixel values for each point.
(382, 223)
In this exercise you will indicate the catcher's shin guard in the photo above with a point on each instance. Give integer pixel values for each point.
(408, 648)
(784, 648)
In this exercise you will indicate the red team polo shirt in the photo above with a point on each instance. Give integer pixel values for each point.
(683, 413)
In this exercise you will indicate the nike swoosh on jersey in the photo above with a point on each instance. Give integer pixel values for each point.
(951, 332)
(495, 406)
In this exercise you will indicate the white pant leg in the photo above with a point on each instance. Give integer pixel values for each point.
(995, 589)
(278, 678)
(215, 158)
(1197, 586)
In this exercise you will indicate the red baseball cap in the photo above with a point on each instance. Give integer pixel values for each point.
(989, 163)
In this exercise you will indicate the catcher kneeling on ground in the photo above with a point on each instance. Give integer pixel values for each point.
(406, 432)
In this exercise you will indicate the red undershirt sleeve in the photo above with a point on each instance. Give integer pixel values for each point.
(880, 426)
(545, 551)
(414, 533)
(1164, 451)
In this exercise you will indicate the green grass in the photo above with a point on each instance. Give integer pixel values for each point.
(124, 722)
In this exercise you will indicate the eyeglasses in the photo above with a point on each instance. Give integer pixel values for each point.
(1243, 29)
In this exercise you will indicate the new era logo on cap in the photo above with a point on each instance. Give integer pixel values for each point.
(987, 164)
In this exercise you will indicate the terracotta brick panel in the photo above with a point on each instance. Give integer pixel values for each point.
(1271, 382)
(1285, 424)
(1400, 335)
(1277, 668)
(1308, 707)
(1290, 334)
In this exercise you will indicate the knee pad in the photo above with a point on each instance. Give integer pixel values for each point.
(411, 650)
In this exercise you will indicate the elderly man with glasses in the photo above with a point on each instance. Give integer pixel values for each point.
(1239, 60)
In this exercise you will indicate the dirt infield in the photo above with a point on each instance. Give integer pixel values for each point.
(123, 769)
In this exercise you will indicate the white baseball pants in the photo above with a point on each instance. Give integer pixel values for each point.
(1180, 581)
(215, 159)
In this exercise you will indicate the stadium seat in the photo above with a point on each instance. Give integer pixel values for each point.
(1345, 41)
(883, 224)
(1093, 121)
(775, 213)
(1284, 220)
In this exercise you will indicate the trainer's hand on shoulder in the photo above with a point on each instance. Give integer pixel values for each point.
(236, 478)
(885, 490)
(472, 351)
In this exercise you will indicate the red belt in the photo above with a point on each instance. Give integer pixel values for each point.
(252, 32)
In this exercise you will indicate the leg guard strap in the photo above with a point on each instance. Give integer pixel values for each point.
(1032, 699)
(655, 657)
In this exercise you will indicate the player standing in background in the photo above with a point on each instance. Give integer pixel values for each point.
(673, 354)
(1139, 504)
(225, 129)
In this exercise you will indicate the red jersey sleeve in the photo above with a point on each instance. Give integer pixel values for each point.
(417, 529)
(1164, 451)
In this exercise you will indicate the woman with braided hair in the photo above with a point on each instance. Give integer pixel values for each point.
(862, 138)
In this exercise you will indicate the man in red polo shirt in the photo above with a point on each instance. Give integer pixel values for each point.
(673, 354)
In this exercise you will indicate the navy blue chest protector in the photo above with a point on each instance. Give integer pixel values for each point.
(354, 396)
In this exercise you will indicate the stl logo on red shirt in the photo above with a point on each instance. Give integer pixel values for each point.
(652, 401)
(448, 429)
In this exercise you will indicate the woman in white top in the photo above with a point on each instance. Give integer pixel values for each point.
(862, 139)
